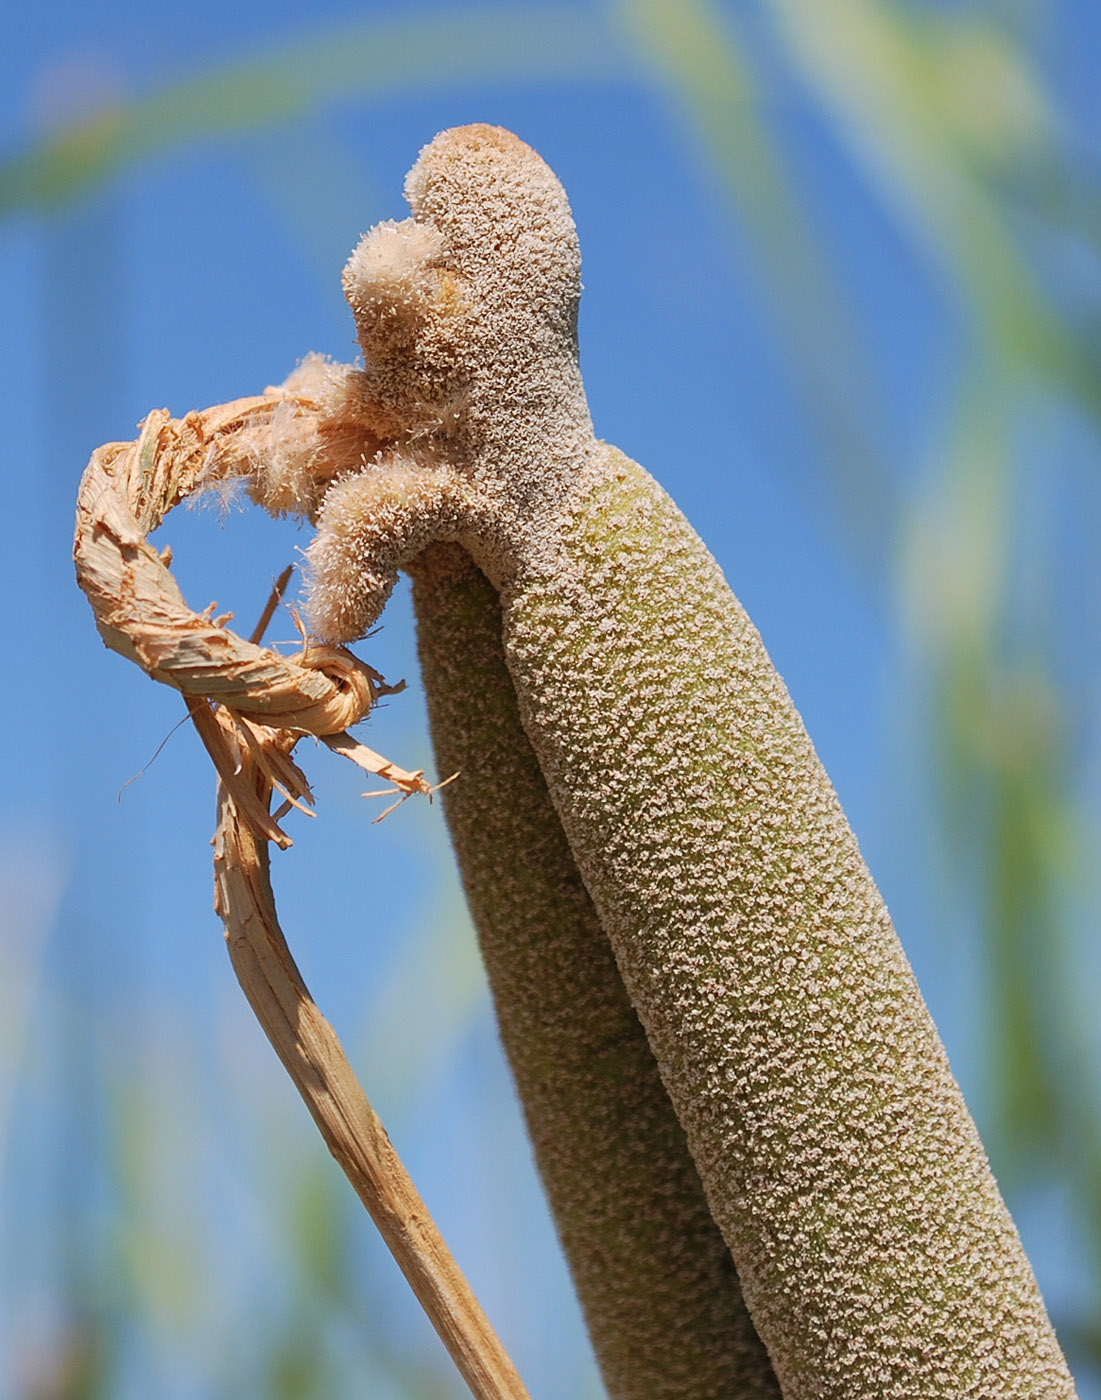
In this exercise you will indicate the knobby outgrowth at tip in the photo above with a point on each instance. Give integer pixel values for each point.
(762, 1170)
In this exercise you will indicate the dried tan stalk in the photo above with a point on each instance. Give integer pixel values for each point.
(315, 1061)
(250, 705)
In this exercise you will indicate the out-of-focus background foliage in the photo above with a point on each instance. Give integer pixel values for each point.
(843, 299)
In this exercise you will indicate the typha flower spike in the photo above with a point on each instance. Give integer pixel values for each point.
(737, 1097)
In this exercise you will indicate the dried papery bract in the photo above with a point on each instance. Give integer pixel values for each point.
(263, 703)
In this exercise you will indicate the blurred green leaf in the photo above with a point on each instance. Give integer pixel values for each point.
(945, 115)
(432, 49)
(892, 79)
(696, 58)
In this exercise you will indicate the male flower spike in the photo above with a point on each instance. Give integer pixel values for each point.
(762, 1170)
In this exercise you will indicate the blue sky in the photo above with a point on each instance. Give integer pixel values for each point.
(799, 411)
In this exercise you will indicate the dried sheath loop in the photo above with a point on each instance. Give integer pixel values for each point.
(126, 491)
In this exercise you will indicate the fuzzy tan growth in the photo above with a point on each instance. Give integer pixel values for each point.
(291, 460)
(489, 310)
(370, 523)
(836, 1155)
(390, 271)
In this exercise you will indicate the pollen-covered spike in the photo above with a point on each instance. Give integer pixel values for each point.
(835, 1152)
(659, 1289)
(837, 1155)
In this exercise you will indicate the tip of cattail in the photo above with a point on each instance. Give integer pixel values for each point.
(505, 219)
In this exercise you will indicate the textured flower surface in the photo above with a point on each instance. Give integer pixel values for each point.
(762, 1169)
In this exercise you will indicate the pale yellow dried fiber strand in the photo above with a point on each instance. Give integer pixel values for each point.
(315, 1060)
(874, 1250)
(656, 1281)
(275, 597)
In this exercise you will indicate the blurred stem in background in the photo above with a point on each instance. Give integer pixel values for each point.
(980, 191)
